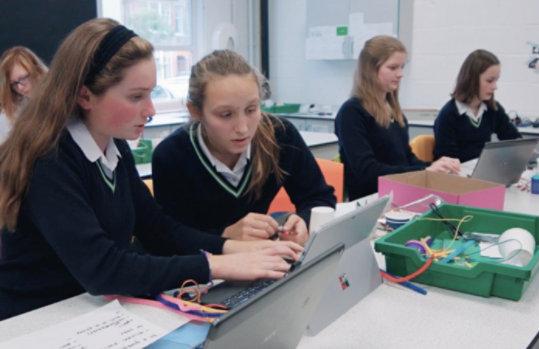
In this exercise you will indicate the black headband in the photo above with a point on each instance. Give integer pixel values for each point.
(111, 43)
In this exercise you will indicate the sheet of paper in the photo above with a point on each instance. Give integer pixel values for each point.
(110, 326)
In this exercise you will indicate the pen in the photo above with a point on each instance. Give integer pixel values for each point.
(413, 287)
(407, 284)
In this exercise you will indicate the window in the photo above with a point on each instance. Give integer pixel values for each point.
(168, 25)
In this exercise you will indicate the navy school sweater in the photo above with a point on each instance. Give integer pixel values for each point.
(369, 150)
(189, 188)
(74, 231)
(457, 137)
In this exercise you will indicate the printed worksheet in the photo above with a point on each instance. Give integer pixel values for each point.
(110, 327)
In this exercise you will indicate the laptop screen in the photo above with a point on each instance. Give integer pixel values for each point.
(504, 161)
(349, 228)
(277, 316)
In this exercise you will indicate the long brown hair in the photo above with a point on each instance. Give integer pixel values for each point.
(366, 87)
(9, 98)
(264, 146)
(468, 80)
(43, 119)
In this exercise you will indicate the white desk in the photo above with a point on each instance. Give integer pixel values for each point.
(521, 202)
(315, 139)
(323, 145)
(429, 122)
(390, 317)
(395, 317)
(515, 200)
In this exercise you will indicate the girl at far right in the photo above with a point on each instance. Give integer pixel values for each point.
(469, 119)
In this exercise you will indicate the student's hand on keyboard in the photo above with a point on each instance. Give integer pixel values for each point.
(294, 229)
(253, 226)
(261, 263)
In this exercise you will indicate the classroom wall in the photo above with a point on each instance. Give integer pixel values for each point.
(442, 34)
(293, 78)
(445, 32)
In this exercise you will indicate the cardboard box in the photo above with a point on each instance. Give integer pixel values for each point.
(410, 186)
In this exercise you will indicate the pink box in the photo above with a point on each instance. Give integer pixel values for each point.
(410, 186)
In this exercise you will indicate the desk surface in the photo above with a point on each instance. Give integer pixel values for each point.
(390, 317)
(426, 120)
(429, 122)
(515, 200)
(165, 119)
(315, 139)
(395, 317)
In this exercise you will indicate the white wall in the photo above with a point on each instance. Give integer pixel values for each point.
(443, 33)
(293, 78)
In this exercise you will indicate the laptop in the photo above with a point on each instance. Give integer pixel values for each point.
(534, 344)
(504, 161)
(354, 278)
(349, 228)
(277, 316)
(358, 273)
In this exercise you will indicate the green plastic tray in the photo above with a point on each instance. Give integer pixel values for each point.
(485, 277)
(143, 153)
(282, 108)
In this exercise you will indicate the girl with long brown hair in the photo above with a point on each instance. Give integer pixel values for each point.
(221, 172)
(20, 71)
(468, 120)
(71, 198)
(372, 130)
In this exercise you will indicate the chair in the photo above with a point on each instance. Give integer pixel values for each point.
(333, 174)
(423, 147)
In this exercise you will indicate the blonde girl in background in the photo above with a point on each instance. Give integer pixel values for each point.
(371, 127)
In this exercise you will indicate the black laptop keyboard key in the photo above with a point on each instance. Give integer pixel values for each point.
(245, 294)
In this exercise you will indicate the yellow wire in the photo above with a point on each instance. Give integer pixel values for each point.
(445, 250)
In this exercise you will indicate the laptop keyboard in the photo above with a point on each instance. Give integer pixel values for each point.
(245, 294)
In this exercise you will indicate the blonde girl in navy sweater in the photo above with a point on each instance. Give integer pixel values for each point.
(71, 198)
(220, 172)
(371, 127)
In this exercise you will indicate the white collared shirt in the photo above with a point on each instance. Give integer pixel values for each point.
(233, 176)
(85, 141)
(464, 109)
